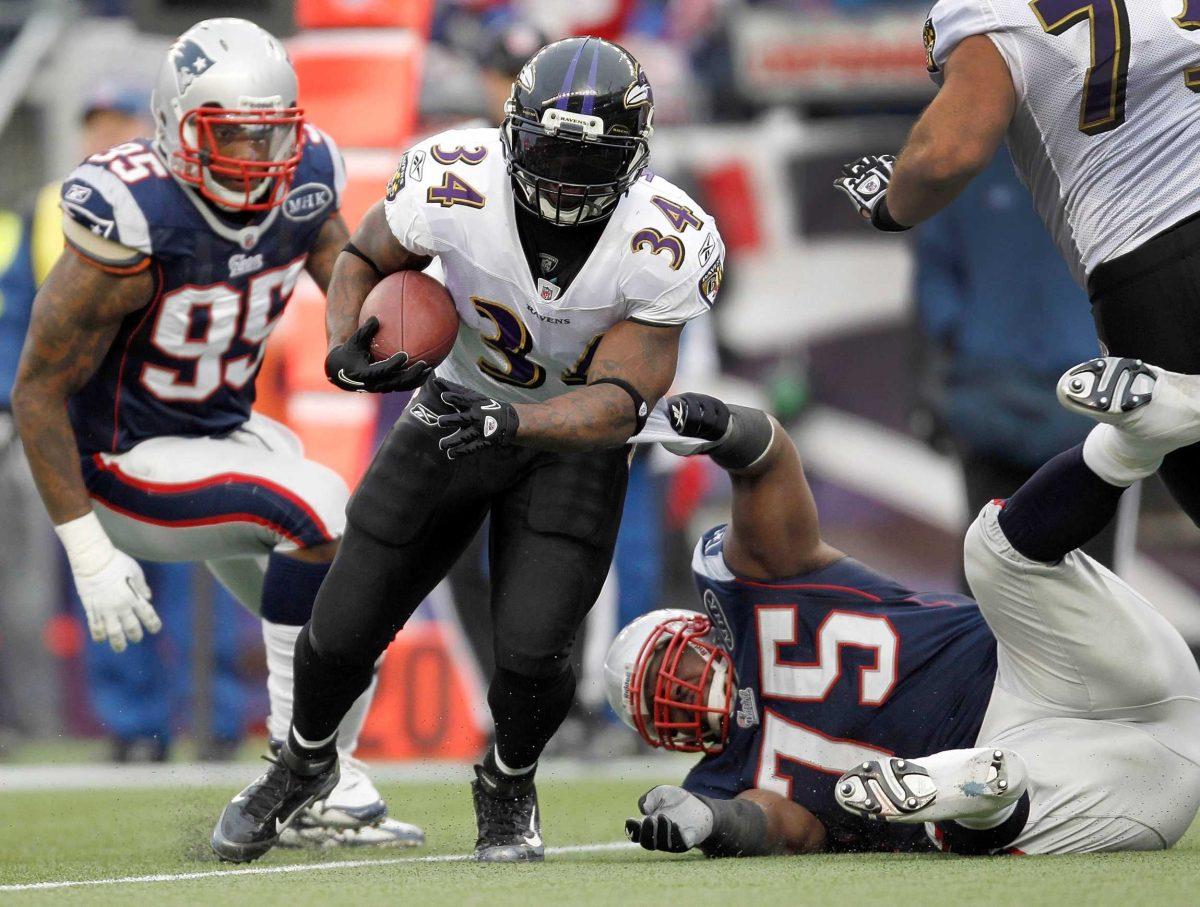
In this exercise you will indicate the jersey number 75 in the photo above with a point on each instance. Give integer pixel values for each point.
(1102, 108)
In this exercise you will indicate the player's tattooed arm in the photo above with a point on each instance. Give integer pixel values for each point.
(330, 242)
(602, 415)
(957, 135)
(75, 316)
(354, 276)
(775, 531)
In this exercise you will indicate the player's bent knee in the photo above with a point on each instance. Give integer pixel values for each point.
(323, 495)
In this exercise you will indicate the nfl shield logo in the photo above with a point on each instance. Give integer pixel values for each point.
(548, 291)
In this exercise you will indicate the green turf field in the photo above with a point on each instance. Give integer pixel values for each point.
(57, 836)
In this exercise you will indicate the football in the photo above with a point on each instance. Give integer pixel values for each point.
(416, 315)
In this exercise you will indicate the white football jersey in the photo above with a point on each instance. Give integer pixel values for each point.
(1108, 118)
(659, 261)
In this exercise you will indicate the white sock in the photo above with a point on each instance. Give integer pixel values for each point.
(352, 722)
(280, 643)
(515, 772)
(1119, 458)
(982, 823)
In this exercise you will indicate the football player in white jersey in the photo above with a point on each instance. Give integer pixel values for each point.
(1099, 101)
(135, 386)
(574, 270)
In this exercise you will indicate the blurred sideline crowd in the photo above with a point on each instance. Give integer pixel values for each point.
(986, 316)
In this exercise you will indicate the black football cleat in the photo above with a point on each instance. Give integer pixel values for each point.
(506, 814)
(251, 823)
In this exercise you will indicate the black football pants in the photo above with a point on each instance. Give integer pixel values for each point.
(1146, 305)
(553, 526)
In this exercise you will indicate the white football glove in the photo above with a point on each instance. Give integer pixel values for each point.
(866, 182)
(110, 584)
(673, 820)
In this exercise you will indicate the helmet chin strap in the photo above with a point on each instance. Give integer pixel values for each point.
(716, 697)
(228, 200)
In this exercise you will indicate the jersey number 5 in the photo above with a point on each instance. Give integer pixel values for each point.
(789, 741)
(1102, 108)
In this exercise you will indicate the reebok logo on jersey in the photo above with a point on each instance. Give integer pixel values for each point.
(422, 414)
(417, 169)
(706, 249)
(78, 194)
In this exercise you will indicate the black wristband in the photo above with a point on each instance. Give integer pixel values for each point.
(881, 218)
(749, 437)
(641, 412)
(739, 829)
(359, 253)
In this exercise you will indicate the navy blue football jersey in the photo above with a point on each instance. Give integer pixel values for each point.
(185, 364)
(833, 668)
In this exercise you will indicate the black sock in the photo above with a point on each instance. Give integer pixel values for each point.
(323, 691)
(527, 711)
(955, 838)
(1062, 506)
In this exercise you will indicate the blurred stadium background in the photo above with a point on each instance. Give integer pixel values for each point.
(915, 371)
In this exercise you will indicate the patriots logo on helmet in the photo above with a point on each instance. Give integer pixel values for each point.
(190, 61)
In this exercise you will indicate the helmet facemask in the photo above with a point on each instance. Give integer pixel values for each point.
(566, 169)
(676, 706)
(267, 144)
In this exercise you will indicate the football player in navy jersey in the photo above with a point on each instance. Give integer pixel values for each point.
(135, 386)
(837, 710)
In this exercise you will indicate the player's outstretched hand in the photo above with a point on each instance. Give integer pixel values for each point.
(672, 820)
(698, 416)
(349, 366)
(866, 183)
(477, 423)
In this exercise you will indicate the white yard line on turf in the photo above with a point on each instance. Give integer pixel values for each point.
(297, 867)
(236, 774)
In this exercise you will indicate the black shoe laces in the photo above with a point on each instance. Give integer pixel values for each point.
(271, 791)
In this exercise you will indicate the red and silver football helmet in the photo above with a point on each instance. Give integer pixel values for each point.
(228, 84)
(672, 701)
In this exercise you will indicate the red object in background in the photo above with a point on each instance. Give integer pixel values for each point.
(63, 636)
(730, 199)
(611, 27)
(689, 484)
(424, 705)
(414, 14)
(361, 87)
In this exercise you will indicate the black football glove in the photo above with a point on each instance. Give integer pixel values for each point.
(477, 423)
(672, 820)
(698, 416)
(865, 183)
(349, 366)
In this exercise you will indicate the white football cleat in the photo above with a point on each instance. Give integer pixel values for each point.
(1159, 410)
(353, 815)
(954, 784)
